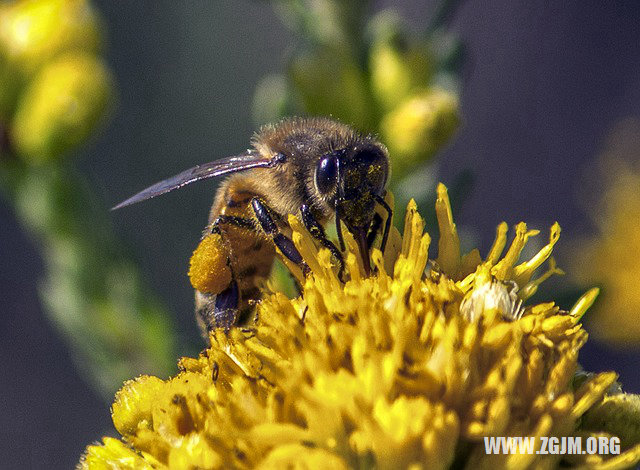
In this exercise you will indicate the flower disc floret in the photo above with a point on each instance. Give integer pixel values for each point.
(408, 368)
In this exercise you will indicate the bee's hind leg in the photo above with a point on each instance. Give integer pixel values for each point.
(218, 311)
(225, 311)
(284, 243)
(205, 306)
(221, 310)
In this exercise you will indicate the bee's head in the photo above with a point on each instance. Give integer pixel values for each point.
(352, 180)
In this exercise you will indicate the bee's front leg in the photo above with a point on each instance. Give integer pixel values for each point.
(387, 225)
(315, 229)
(284, 243)
(376, 224)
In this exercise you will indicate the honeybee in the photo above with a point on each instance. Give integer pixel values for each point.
(316, 168)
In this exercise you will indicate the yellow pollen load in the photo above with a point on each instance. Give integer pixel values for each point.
(209, 270)
(411, 367)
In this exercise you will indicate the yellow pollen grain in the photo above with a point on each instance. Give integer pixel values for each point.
(208, 268)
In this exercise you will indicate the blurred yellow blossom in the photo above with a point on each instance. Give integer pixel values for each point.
(53, 87)
(416, 129)
(61, 107)
(613, 203)
(32, 32)
(398, 67)
(408, 368)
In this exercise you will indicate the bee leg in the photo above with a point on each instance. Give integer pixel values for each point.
(387, 224)
(217, 310)
(232, 220)
(225, 310)
(221, 310)
(376, 223)
(339, 229)
(205, 306)
(284, 243)
(317, 232)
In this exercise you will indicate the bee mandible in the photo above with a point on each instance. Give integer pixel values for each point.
(316, 168)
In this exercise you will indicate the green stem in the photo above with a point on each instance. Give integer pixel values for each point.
(90, 291)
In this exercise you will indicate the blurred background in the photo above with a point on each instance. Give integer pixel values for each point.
(539, 121)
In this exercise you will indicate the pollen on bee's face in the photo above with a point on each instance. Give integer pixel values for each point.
(352, 179)
(358, 211)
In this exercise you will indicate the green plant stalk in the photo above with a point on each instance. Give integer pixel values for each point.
(90, 290)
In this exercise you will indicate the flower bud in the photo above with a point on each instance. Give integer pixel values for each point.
(618, 415)
(61, 107)
(327, 22)
(397, 66)
(34, 31)
(417, 128)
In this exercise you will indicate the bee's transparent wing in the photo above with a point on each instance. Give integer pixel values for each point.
(204, 171)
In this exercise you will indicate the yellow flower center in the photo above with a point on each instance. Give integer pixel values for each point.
(411, 367)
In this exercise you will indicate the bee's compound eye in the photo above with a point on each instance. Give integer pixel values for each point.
(326, 174)
(373, 162)
(368, 156)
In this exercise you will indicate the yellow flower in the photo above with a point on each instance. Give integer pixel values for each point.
(32, 32)
(610, 252)
(409, 368)
(61, 107)
(418, 127)
(399, 66)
